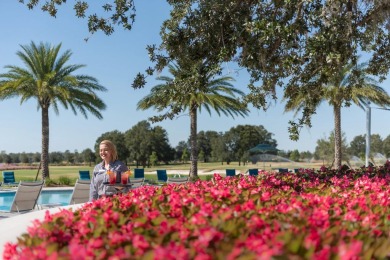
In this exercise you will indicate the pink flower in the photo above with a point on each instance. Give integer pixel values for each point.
(350, 251)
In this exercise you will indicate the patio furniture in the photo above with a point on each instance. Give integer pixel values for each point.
(139, 173)
(283, 170)
(9, 178)
(26, 196)
(253, 172)
(230, 172)
(80, 192)
(162, 175)
(84, 175)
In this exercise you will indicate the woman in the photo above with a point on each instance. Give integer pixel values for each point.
(109, 155)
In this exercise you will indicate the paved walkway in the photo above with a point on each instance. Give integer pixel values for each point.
(15, 226)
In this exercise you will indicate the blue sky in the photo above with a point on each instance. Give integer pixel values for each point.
(115, 60)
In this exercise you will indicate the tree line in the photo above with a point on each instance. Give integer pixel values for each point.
(146, 146)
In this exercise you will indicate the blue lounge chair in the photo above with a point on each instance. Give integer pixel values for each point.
(283, 170)
(84, 175)
(139, 173)
(162, 175)
(253, 172)
(230, 172)
(9, 179)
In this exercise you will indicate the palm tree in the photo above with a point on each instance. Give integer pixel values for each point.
(193, 89)
(48, 79)
(340, 92)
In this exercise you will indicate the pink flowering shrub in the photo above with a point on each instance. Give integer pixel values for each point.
(309, 215)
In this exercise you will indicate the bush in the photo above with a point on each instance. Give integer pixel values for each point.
(50, 182)
(66, 181)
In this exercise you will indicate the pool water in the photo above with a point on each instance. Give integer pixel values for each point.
(47, 197)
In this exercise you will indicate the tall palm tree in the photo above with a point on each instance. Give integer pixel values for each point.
(339, 92)
(48, 79)
(193, 89)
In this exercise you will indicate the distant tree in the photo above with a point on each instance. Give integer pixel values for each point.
(160, 145)
(220, 149)
(48, 79)
(386, 146)
(305, 155)
(7, 158)
(139, 142)
(14, 158)
(56, 157)
(376, 145)
(69, 157)
(244, 137)
(37, 157)
(204, 140)
(88, 156)
(181, 146)
(325, 149)
(284, 154)
(185, 156)
(153, 158)
(201, 156)
(142, 140)
(202, 145)
(118, 139)
(295, 156)
(77, 157)
(357, 146)
(23, 157)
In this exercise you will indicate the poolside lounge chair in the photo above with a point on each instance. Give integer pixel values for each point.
(230, 172)
(139, 173)
(26, 196)
(136, 182)
(80, 192)
(162, 175)
(179, 180)
(253, 172)
(283, 170)
(9, 179)
(84, 175)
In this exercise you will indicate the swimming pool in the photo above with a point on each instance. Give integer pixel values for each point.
(47, 197)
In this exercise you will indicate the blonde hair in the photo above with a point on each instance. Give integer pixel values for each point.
(111, 146)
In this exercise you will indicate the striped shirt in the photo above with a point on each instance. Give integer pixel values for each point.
(99, 176)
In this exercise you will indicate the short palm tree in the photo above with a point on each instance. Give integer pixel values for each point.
(48, 79)
(194, 89)
(338, 93)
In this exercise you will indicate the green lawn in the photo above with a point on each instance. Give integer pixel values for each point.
(72, 172)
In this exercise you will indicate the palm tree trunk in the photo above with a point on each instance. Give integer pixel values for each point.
(194, 145)
(45, 143)
(337, 136)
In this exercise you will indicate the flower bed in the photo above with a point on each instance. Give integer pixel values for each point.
(310, 215)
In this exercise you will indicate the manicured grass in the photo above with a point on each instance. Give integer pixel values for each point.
(72, 172)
